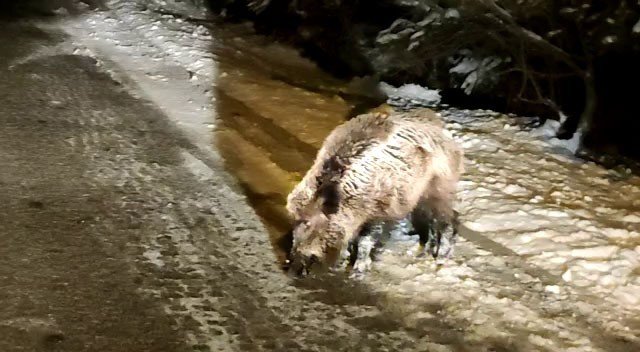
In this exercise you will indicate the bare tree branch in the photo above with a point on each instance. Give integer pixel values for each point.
(504, 18)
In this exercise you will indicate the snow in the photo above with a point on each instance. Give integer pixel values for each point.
(603, 252)
(475, 71)
(553, 289)
(549, 130)
(563, 218)
(412, 93)
(572, 144)
(515, 190)
(465, 66)
(635, 218)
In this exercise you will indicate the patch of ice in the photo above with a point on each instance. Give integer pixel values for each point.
(630, 256)
(540, 341)
(605, 210)
(628, 295)
(518, 221)
(620, 234)
(553, 213)
(602, 252)
(584, 265)
(576, 237)
(634, 218)
(622, 272)
(609, 280)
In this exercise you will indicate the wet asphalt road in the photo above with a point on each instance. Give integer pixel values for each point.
(110, 238)
(65, 284)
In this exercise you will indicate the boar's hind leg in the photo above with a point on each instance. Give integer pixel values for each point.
(444, 231)
(440, 199)
(455, 223)
(436, 224)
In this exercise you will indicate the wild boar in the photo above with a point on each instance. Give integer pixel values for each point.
(374, 167)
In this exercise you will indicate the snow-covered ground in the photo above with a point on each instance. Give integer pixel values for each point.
(552, 243)
(550, 254)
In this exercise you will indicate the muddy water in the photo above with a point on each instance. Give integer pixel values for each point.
(274, 110)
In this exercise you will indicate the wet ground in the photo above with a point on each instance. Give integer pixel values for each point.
(66, 282)
(145, 160)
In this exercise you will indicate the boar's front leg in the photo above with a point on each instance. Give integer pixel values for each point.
(354, 245)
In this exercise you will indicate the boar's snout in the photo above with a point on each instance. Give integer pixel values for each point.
(300, 265)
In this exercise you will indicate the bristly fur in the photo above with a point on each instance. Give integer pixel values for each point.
(376, 166)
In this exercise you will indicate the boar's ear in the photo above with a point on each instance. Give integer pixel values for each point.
(330, 197)
(318, 219)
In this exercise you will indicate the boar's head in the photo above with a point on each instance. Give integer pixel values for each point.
(315, 244)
